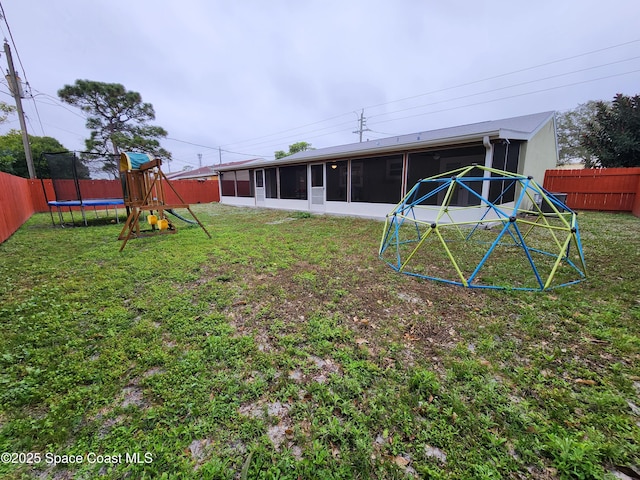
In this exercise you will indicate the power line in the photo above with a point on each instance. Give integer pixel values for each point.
(508, 86)
(213, 148)
(24, 71)
(56, 103)
(246, 154)
(308, 135)
(510, 96)
(287, 130)
(474, 82)
(506, 74)
(384, 133)
(340, 130)
(191, 143)
(4, 17)
(35, 106)
(305, 134)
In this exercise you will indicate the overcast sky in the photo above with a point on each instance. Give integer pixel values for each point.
(254, 76)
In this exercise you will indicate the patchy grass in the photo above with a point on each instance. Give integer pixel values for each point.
(284, 348)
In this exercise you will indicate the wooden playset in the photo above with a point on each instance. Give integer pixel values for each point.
(144, 186)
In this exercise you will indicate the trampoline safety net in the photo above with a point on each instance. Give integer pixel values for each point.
(83, 176)
(82, 180)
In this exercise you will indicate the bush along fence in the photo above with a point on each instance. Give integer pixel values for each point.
(606, 189)
(20, 197)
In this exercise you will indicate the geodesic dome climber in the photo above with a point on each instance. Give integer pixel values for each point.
(479, 227)
(143, 187)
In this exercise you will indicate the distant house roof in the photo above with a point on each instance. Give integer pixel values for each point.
(208, 171)
(233, 165)
(202, 172)
(514, 128)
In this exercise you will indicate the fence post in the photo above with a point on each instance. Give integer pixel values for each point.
(636, 201)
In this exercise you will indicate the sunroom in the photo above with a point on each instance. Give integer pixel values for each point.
(368, 179)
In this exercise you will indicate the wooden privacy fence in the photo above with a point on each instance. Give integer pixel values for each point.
(20, 197)
(15, 204)
(192, 191)
(607, 189)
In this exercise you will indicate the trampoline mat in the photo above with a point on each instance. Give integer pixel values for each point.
(94, 202)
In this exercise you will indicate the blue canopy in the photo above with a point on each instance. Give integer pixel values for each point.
(132, 160)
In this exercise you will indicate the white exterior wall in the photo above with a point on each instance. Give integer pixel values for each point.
(540, 153)
(376, 211)
(461, 214)
(238, 201)
(286, 204)
(302, 205)
(359, 209)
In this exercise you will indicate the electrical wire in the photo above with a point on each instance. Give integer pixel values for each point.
(252, 142)
(4, 17)
(508, 86)
(477, 94)
(191, 143)
(35, 106)
(288, 130)
(281, 139)
(384, 133)
(56, 103)
(24, 71)
(344, 130)
(218, 149)
(262, 142)
(509, 97)
(501, 75)
(266, 144)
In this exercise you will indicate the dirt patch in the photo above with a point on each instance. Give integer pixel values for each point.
(152, 371)
(199, 451)
(277, 414)
(132, 395)
(422, 315)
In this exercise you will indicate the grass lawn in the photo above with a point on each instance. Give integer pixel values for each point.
(284, 348)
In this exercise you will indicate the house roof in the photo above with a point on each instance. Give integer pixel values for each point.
(233, 165)
(195, 173)
(514, 128)
(207, 171)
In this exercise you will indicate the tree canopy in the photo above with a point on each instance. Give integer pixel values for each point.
(117, 118)
(5, 111)
(571, 126)
(293, 148)
(13, 159)
(613, 136)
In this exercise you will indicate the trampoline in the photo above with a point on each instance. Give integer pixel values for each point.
(81, 183)
(94, 202)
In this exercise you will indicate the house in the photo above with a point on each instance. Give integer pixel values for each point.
(205, 173)
(368, 179)
(202, 173)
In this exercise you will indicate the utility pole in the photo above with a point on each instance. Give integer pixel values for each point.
(15, 88)
(220, 154)
(363, 125)
(199, 160)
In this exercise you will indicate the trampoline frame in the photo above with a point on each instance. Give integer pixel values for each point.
(94, 202)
